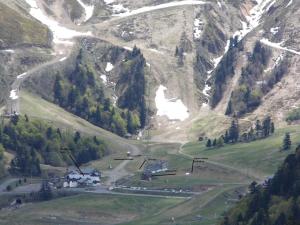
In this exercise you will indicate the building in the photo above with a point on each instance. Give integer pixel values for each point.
(153, 168)
(90, 177)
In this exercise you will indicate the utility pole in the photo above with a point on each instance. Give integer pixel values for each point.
(148, 125)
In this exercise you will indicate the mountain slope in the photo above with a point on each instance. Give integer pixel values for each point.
(19, 30)
(271, 88)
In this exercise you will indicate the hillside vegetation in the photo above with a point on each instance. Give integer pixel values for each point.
(81, 93)
(17, 30)
(276, 202)
(36, 142)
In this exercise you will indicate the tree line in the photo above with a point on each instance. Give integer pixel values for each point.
(261, 129)
(35, 142)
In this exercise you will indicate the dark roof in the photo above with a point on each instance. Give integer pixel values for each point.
(157, 165)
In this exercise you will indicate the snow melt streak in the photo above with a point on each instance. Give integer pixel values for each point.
(156, 7)
(278, 46)
(174, 110)
(254, 19)
(60, 34)
(89, 10)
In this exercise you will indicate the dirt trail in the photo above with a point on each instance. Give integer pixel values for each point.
(14, 104)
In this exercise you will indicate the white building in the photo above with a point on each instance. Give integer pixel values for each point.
(88, 177)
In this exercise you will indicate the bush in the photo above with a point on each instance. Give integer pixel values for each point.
(8, 188)
(293, 115)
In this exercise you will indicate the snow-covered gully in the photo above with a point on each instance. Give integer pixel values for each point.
(252, 22)
(89, 10)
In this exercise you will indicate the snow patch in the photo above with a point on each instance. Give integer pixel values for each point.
(291, 2)
(63, 59)
(21, 76)
(9, 50)
(104, 78)
(156, 51)
(119, 9)
(278, 46)
(276, 63)
(173, 109)
(216, 61)
(107, 2)
(109, 67)
(128, 48)
(198, 28)
(157, 7)
(274, 30)
(89, 10)
(13, 95)
(115, 100)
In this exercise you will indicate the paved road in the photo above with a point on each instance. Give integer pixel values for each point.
(119, 171)
(6, 183)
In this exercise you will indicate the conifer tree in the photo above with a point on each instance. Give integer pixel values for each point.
(45, 192)
(214, 142)
(266, 127)
(220, 142)
(286, 145)
(58, 97)
(272, 128)
(208, 143)
(234, 132)
(226, 137)
(229, 108)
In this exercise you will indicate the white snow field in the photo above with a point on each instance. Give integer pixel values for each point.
(173, 109)
(89, 10)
